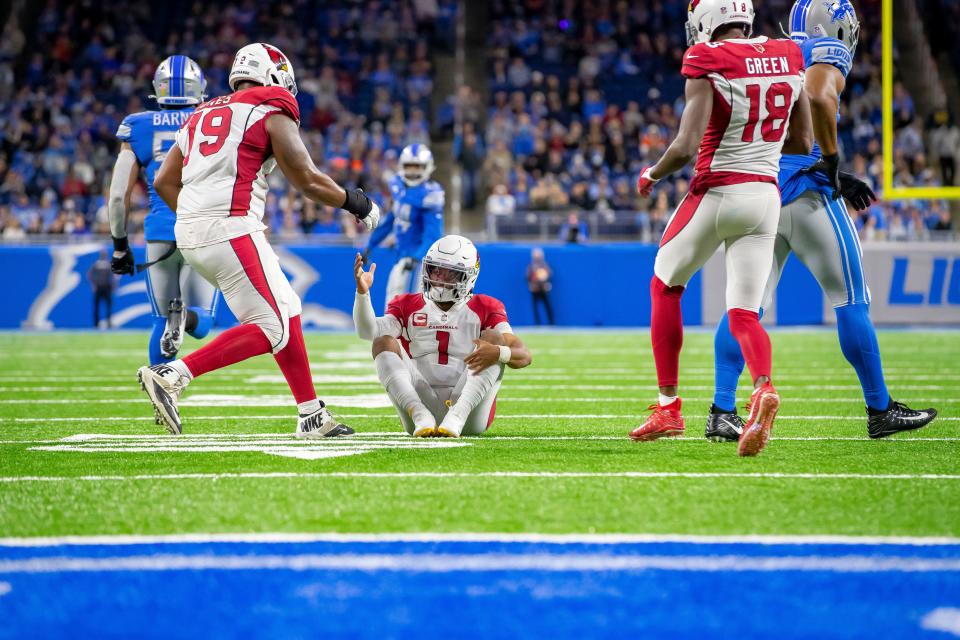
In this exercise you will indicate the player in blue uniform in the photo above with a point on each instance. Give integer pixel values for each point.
(815, 225)
(416, 219)
(182, 301)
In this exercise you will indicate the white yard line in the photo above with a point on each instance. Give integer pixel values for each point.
(483, 474)
(391, 414)
(559, 539)
(486, 562)
(374, 400)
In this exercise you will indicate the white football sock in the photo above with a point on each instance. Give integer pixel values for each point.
(475, 389)
(399, 386)
(309, 407)
(180, 367)
(665, 400)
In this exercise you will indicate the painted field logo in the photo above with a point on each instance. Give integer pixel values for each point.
(274, 444)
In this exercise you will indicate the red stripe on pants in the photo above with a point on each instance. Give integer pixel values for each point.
(666, 331)
(682, 216)
(249, 258)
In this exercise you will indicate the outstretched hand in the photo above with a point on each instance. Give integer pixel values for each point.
(364, 278)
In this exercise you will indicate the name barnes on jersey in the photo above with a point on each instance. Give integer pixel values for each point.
(170, 118)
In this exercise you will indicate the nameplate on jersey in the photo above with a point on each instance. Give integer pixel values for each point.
(170, 118)
(768, 66)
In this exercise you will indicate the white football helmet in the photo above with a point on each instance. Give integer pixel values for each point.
(179, 81)
(705, 16)
(450, 270)
(817, 18)
(262, 64)
(416, 164)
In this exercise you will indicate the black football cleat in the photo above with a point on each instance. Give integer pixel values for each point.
(723, 426)
(898, 417)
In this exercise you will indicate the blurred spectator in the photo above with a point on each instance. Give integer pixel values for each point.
(574, 230)
(500, 202)
(945, 143)
(103, 282)
(539, 276)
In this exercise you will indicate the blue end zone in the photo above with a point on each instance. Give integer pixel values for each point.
(477, 590)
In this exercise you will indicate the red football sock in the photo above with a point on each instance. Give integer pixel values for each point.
(230, 347)
(666, 331)
(295, 365)
(754, 341)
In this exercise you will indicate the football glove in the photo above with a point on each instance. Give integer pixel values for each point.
(645, 182)
(830, 167)
(408, 263)
(361, 206)
(855, 191)
(122, 261)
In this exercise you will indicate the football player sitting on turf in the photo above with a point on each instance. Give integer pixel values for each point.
(440, 354)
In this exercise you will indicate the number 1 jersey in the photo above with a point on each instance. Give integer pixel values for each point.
(756, 82)
(226, 160)
(438, 340)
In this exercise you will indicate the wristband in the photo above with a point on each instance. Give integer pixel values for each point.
(121, 245)
(358, 203)
(505, 354)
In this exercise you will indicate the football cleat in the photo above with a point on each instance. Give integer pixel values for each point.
(424, 423)
(172, 336)
(898, 417)
(723, 426)
(425, 432)
(321, 424)
(664, 422)
(763, 407)
(446, 432)
(163, 386)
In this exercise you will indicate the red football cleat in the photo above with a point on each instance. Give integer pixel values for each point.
(764, 403)
(664, 422)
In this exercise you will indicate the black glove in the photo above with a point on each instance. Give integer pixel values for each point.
(408, 263)
(122, 261)
(830, 166)
(365, 256)
(855, 191)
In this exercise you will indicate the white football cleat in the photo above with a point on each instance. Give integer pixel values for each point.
(173, 335)
(164, 385)
(321, 424)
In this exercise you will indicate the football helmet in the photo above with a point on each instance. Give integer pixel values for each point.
(416, 164)
(450, 270)
(705, 16)
(179, 81)
(833, 19)
(262, 64)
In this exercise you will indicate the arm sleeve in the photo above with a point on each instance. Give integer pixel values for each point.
(116, 205)
(432, 229)
(368, 325)
(381, 232)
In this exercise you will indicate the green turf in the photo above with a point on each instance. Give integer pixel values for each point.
(589, 388)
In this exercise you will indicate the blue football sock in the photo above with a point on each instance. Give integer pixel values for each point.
(858, 342)
(728, 365)
(204, 323)
(159, 326)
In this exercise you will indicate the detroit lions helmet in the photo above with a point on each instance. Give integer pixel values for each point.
(704, 17)
(262, 64)
(831, 18)
(179, 81)
(416, 164)
(450, 270)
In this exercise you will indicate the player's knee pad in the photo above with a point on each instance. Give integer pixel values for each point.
(382, 344)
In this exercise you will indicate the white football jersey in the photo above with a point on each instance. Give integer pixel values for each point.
(226, 159)
(756, 83)
(437, 340)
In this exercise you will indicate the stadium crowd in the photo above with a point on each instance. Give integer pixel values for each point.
(584, 95)
(69, 77)
(581, 97)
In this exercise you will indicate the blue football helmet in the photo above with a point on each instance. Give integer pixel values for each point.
(179, 81)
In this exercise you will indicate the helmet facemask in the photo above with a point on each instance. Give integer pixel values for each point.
(413, 173)
(445, 283)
